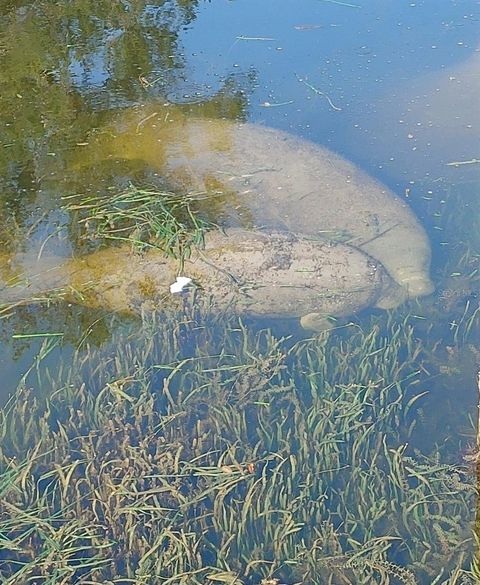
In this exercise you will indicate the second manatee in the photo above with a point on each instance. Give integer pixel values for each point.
(249, 273)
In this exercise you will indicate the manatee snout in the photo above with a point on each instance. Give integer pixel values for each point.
(420, 287)
(417, 285)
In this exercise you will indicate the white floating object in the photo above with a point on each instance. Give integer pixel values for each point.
(180, 284)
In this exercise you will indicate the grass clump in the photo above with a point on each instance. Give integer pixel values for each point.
(205, 453)
(144, 218)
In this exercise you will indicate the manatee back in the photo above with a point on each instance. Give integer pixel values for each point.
(284, 275)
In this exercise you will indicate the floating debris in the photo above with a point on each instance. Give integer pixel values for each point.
(180, 284)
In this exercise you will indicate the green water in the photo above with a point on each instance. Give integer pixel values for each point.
(390, 86)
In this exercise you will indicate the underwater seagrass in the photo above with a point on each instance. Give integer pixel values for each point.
(279, 180)
(202, 452)
(252, 273)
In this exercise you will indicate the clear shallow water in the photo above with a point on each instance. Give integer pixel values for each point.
(67, 69)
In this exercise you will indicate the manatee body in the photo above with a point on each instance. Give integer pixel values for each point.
(429, 127)
(252, 273)
(266, 177)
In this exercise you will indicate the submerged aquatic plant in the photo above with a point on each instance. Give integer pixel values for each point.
(142, 217)
(454, 310)
(202, 453)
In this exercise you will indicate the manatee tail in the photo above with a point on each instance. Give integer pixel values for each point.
(24, 278)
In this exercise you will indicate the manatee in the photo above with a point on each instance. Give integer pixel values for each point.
(428, 127)
(269, 178)
(252, 273)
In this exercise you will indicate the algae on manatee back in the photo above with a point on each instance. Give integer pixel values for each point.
(250, 273)
(281, 182)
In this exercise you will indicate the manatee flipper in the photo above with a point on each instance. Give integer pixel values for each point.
(315, 322)
(392, 296)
